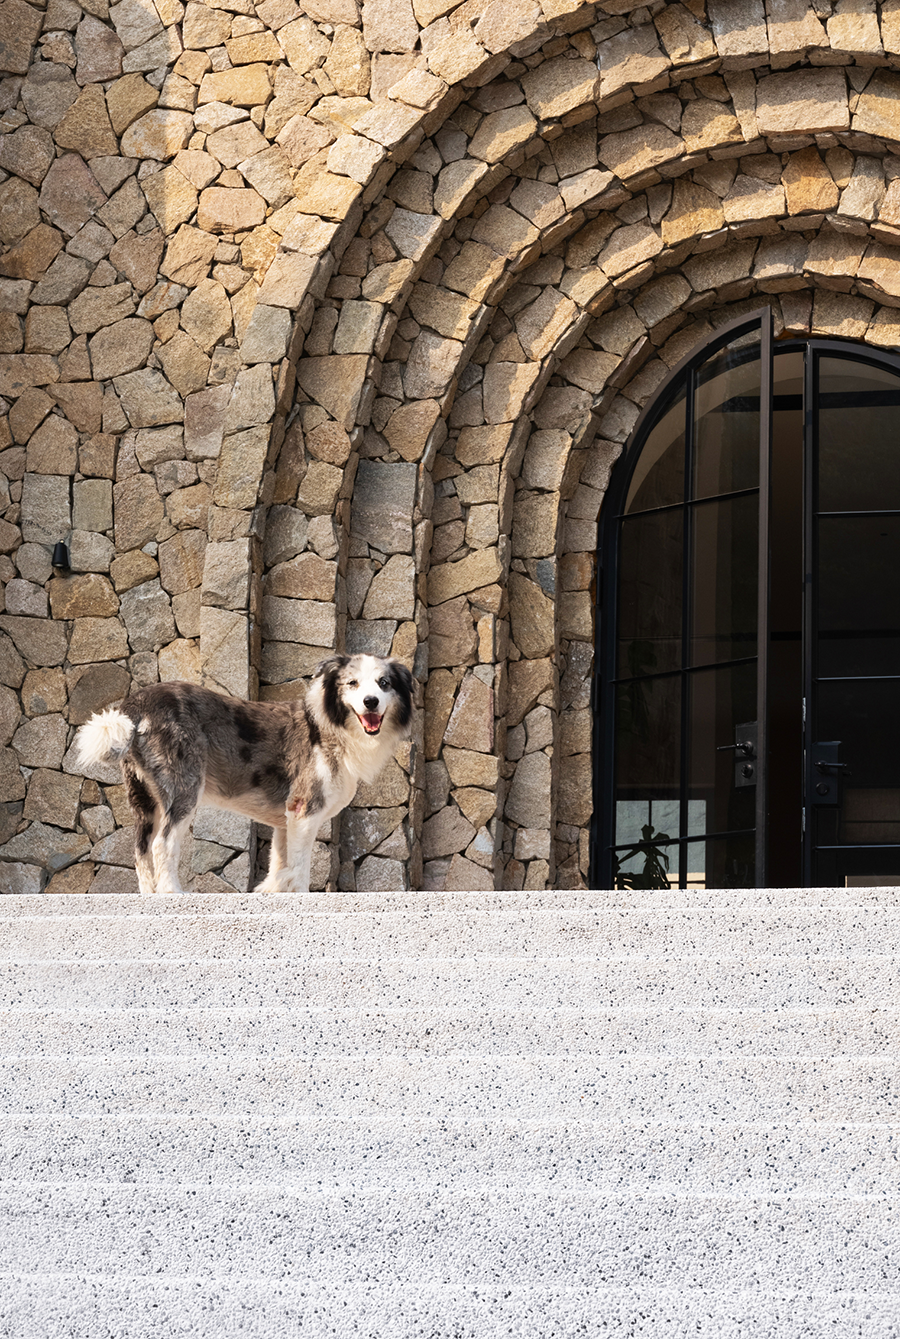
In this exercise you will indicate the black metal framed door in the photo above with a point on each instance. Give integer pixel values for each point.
(681, 757)
(852, 617)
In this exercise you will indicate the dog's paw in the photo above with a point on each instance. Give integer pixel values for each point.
(285, 881)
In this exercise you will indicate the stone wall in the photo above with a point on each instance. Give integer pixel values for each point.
(323, 327)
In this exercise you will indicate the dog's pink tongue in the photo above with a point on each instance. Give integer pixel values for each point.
(371, 721)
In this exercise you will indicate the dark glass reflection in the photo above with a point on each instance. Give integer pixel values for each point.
(858, 592)
(650, 593)
(648, 739)
(658, 479)
(726, 425)
(858, 455)
(724, 862)
(724, 586)
(720, 700)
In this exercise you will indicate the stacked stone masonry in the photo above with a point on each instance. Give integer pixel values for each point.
(323, 325)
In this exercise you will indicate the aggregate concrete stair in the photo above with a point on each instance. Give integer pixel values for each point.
(458, 1116)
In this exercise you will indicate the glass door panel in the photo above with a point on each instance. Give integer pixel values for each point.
(650, 594)
(853, 743)
(685, 580)
(724, 571)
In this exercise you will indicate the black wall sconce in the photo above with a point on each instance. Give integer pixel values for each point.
(60, 557)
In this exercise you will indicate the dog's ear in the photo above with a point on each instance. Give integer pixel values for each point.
(336, 710)
(333, 665)
(402, 683)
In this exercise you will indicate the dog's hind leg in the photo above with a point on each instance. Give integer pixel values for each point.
(166, 845)
(147, 817)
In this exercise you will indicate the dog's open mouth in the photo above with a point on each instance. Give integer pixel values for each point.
(371, 722)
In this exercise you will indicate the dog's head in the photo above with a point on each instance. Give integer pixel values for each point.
(365, 693)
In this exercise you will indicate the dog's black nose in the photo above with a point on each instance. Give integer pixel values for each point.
(370, 703)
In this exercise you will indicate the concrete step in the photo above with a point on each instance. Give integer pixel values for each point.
(754, 981)
(443, 1030)
(680, 933)
(653, 1088)
(459, 1237)
(65, 1306)
(215, 904)
(633, 1157)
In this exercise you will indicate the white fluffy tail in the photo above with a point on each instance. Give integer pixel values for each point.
(105, 738)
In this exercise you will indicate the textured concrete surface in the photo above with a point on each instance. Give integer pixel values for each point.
(450, 1117)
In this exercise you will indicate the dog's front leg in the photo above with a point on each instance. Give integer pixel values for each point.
(301, 835)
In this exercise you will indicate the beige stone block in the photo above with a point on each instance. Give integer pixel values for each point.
(392, 593)
(224, 647)
(121, 347)
(808, 185)
(347, 65)
(431, 365)
(306, 577)
(468, 768)
(240, 471)
(355, 157)
(841, 314)
(159, 134)
(832, 253)
(184, 363)
(440, 691)
(335, 383)
(206, 314)
(575, 803)
(188, 256)
(246, 86)
(448, 580)
(708, 125)
(452, 52)
(148, 399)
(388, 123)
(630, 152)
(225, 209)
(631, 57)
(474, 271)
(684, 38)
(357, 327)
(95, 639)
(546, 457)
(408, 428)
(132, 569)
(480, 484)
(451, 636)
(501, 133)
(505, 389)
(419, 89)
(750, 198)
(328, 195)
(880, 266)
(412, 234)
(269, 174)
(793, 27)
(235, 142)
(138, 511)
(95, 308)
(318, 493)
(181, 561)
(528, 801)
(543, 322)
(627, 247)
(482, 445)
(46, 330)
(28, 151)
(534, 524)
(739, 29)
(455, 184)
(86, 127)
(532, 617)
(804, 99)
(853, 27)
(301, 138)
(171, 197)
(863, 194)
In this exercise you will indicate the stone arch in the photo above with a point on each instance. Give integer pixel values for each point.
(494, 103)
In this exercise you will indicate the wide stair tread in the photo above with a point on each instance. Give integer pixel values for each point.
(451, 1115)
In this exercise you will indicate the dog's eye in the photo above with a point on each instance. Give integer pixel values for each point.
(354, 683)
(384, 683)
